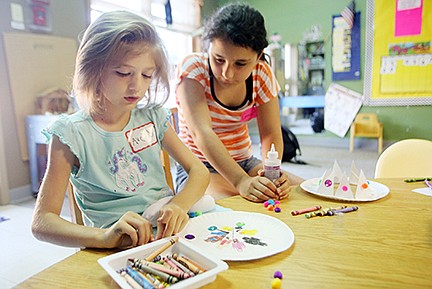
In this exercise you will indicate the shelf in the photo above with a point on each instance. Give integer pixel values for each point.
(304, 101)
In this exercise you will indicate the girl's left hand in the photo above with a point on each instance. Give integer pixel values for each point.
(282, 184)
(171, 221)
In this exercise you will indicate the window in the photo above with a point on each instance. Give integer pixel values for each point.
(177, 37)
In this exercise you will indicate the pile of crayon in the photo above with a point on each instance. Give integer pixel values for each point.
(157, 271)
(321, 212)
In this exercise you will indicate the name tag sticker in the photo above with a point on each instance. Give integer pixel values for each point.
(141, 137)
(249, 114)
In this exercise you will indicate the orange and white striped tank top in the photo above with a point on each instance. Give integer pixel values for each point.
(229, 125)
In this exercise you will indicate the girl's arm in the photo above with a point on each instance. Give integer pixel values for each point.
(197, 116)
(269, 128)
(174, 214)
(47, 225)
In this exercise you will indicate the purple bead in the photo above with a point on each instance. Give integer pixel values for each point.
(190, 237)
(278, 274)
(328, 183)
(277, 210)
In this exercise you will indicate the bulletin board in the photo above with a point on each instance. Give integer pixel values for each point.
(398, 67)
(36, 63)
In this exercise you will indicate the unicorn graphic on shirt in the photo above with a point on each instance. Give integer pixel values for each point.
(128, 170)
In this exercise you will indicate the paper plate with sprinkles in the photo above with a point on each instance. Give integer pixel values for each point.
(238, 236)
(375, 191)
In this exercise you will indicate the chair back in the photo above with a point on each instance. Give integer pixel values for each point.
(367, 124)
(408, 158)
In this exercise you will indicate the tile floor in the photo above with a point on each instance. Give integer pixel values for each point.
(18, 246)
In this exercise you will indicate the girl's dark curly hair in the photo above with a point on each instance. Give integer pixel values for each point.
(238, 23)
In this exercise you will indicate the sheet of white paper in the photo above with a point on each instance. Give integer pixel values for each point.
(341, 107)
(424, 191)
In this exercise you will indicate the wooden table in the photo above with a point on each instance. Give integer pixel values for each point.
(385, 244)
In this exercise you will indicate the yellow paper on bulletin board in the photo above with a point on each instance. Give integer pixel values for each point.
(402, 77)
(406, 74)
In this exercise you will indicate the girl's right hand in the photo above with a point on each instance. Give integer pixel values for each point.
(257, 189)
(130, 230)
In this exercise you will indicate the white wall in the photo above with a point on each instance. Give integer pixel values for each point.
(68, 19)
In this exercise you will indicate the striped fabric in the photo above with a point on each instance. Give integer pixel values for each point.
(227, 124)
(348, 14)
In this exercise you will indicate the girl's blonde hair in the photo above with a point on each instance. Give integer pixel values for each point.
(111, 37)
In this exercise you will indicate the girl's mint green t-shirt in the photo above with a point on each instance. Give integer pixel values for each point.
(119, 171)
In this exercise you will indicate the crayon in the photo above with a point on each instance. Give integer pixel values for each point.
(180, 265)
(307, 210)
(130, 280)
(322, 212)
(164, 276)
(144, 275)
(162, 248)
(429, 184)
(155, 281)
(162, 268)
(138, 278)
(188, 263)
(417, 180)
(345, 210)
(170, 263)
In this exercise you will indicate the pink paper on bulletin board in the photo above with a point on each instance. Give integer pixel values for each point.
(408, 17)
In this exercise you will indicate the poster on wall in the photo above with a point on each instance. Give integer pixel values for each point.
(341, 107)
(398, 68)
(40, 15)
(345, 49)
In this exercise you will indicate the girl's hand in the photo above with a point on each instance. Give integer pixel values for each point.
(257, 189)
(171, 221)
(129, 231)
(283, 186)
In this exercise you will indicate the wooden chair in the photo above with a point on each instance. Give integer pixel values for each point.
(75, 212)
(366, 125)
(408, 158)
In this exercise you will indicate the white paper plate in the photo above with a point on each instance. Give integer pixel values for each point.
(238, 236)
(378, 191)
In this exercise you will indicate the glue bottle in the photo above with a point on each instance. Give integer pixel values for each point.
(272, 165)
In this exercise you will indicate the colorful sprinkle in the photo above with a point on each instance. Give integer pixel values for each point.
(190, 237)
(278, 274)
(212, 228)
(276, 283)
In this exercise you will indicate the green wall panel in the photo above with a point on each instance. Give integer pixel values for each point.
(291, 18)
